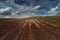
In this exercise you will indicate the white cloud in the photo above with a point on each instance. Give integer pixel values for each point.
(33, 13)
(4, 10)
(53, 11)
(13, 14)
(7, 17)
(36, 7)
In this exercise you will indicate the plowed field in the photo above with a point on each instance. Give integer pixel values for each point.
(39, 28)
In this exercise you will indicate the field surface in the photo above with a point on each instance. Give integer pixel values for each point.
(32, 28)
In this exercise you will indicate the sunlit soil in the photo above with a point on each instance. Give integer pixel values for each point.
(31, 28)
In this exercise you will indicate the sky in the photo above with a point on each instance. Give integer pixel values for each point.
(27, 8)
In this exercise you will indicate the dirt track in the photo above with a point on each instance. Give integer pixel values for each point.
(32, 29)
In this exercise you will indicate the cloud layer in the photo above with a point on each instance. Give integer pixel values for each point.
(11, 9)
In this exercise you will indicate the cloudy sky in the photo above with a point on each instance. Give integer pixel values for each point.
(27, 8)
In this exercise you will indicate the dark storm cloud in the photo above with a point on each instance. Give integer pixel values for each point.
(29, 7)
(43, 3)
